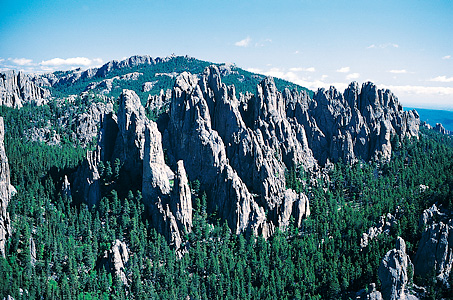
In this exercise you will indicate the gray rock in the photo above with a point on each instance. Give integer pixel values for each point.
(87, 185)
(6, 191)
(440, 128)
(393, 272)
(434, 255)
(32, 251)
(66, 187)
(181, 199)
(370, 293)
(17, 89)
(385, 224)
(118, 259)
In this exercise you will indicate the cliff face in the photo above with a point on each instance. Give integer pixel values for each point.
(17, 88)
(6, 189)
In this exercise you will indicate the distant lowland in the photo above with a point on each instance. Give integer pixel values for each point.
(433, 116)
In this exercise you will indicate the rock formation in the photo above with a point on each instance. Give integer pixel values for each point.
(386, 222)
(434, 255)
(357, 124)
(16, 88)
(118, 259)
(87, 185)
(440, 128)
(6, 190)
(240, 149)
(393, 272)
(370, 293)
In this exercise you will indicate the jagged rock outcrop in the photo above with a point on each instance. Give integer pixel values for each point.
(386, 223)
(393, 272)
(370, 293)
(66, 187)
(440, 128)
(357, 124)
(87, 185)
(434, 255)
(240, 149)
(118, 258)
(157, 103)
(17, 88)
(6, 191)
(181, 198)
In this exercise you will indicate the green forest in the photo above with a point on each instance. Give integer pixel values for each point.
(321, 260)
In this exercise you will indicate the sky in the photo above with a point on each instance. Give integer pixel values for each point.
(405, 46)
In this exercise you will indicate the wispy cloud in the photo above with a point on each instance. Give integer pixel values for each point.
(442, 79)
(27, 65)
(398, 71)
(352, 76)
(255, 70)
(21, 61)
(73, 61)
(446, 57)
(420, 90)
(383, 46)
(310, 69)
(243, 43)
(344, 70)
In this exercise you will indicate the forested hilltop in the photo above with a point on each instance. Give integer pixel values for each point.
(174, 178)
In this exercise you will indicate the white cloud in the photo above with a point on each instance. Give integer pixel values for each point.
(255, 70)
(310, 69)
(323, 77)
(1, 60)
(344, 70)
(352, 76)
(442, 79)
(21, 61)
(420, 90)
(446, 57)
(73, 61)
(398, 71)
(383, 46)
(296, 52)
(243, 43)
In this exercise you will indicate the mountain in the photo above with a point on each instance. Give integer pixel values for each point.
(218, 183)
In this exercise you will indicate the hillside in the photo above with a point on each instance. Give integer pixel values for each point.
(225, 185)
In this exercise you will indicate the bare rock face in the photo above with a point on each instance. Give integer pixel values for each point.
(86, 124)
(87, 186)
(181, 198)
(357, 124)
(6, 189)
(370, 293)
(435, 251)
(393, 272)
(118, 259)
(18, 88)
(386, 222)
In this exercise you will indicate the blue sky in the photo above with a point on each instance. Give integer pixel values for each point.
(406, 46)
